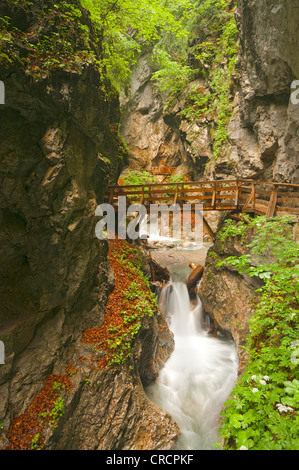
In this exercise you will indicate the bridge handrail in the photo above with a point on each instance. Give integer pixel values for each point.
(246, 195)
(212, 182)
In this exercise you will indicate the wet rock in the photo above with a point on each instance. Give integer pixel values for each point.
(153, 139)
(55, 275)
(227, 296)
(109, 410)
(263, 125)
(158, 273)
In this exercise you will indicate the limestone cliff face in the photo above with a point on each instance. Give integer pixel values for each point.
(264, 129)
(153, 138)
(54, 271)
(227, 296)
(263, 136)
(59, 151)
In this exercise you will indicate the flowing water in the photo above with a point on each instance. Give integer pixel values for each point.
(200, 374)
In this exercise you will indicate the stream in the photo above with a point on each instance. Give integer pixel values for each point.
(201, 372)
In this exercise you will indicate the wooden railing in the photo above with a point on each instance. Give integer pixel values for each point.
(250, 196)
(270, 198)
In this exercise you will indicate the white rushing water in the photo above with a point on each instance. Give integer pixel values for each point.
(198, 377)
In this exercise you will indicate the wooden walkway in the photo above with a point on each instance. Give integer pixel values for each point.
(248, 196)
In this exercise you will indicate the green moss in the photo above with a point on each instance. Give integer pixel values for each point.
(4, 60)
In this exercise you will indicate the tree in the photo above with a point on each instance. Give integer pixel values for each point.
(126, 26)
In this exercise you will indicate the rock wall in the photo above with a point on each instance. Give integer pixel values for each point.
(263, 136)
(264, 130)
(227, 296)
(54, 272)
(109, 410)
(153, 138)
(59, 151)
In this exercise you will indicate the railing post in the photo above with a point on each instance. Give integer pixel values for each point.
(176, 194)
(182, 191)
(272, 202)
(210, 231)
(240, 192)
(250, 200)
(142, 196)
(149, 194)
(214, 195)
(237, 194)
(253, 196)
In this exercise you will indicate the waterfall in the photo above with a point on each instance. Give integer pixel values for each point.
(198, 377)
(175, 304)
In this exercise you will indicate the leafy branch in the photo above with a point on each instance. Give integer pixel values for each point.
(263, 413)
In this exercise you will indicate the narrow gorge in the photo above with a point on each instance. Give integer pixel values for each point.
(103, 343)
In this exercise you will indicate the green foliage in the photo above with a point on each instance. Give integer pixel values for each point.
(62, 36)
(145, 301)
(231, 229)
(216, 57)
(214, 54)
(57, 411)
(139, 302)
(35, 442)
(136, 177)
(126, 27)
(262, 415)
(274, 255)
(58, 38)
(172, 76)
(57, 387)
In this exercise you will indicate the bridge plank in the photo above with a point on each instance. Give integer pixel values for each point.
(294, 200)
(294, 210)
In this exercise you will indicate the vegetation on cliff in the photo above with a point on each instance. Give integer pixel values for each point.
(262, 413)
(126, 26)
(129, 302)
(27, 430)
(52, 36)
(41, 39)
(135, 177)
(189, 39)
(211, 54)
(110, 346)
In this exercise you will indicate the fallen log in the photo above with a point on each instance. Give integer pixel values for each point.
(194, 277)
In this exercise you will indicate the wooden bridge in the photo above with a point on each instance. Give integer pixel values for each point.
(250, 196)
